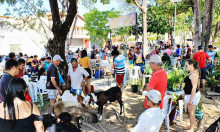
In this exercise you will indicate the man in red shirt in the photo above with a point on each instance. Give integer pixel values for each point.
(201, 58)
(158, 80)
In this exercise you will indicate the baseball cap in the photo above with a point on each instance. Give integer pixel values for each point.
(57, 57)
(155, 59)
(154, 96)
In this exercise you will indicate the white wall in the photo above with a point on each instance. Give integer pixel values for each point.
(30, 42)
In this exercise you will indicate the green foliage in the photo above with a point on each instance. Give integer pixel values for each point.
(134, 82)
(28, 15)
(97, 24)
(148, 70)
(157, 20)
(176, 78)
(199, 106)
(213, 82)
(166, 66)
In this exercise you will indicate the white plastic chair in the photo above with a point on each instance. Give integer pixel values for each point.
(134, 73)
(108, 69)
(26, 79)
(167, 109)
(41, 85)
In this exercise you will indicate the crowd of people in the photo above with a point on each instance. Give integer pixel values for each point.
(198, 64)
(18, 112)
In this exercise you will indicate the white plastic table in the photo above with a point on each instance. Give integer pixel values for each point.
(180, 102)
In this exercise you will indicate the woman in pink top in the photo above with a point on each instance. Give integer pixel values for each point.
(168, 50)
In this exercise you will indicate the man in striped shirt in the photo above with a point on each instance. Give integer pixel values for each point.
(119, 65)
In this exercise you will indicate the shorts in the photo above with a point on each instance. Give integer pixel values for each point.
(130, 62)
(52, 93)
(203, 73)
(119, 79)
(89, 71)
(76, 91)
(196, 98)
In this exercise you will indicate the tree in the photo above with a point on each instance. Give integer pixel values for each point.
(197, 22)
(216, 21)
(207, 22)
(60, 29)
(143, 8)
(97, 23)
(158, 21)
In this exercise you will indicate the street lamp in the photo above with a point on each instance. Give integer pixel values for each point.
(175, 1)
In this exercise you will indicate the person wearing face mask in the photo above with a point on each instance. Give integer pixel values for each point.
(75, 77)
(11, 70)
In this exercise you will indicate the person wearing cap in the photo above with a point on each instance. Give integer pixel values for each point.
(53, 81)
(75, 76)
(158, 80)
(213, 55)
(138, 59)
(201, 58)
(151, 119)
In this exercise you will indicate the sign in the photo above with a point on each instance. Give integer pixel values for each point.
(123, 21)
(174, 1)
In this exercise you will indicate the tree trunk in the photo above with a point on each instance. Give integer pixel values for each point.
(207, 22)
(144, 12)
(60, 30)
(217, 29)
(171, 37)
(68, 41)
(197, 22)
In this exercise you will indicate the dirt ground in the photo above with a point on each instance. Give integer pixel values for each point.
(134, 106)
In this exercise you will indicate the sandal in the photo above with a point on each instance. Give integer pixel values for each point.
(186, 128)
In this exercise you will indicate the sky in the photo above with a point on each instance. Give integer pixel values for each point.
(81, 9)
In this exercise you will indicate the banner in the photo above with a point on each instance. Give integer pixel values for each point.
(123, 21)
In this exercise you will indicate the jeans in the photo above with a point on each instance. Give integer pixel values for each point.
(210, 68)
(142, 67)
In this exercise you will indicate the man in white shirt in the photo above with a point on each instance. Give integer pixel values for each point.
(151, 119)
(75, 75)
